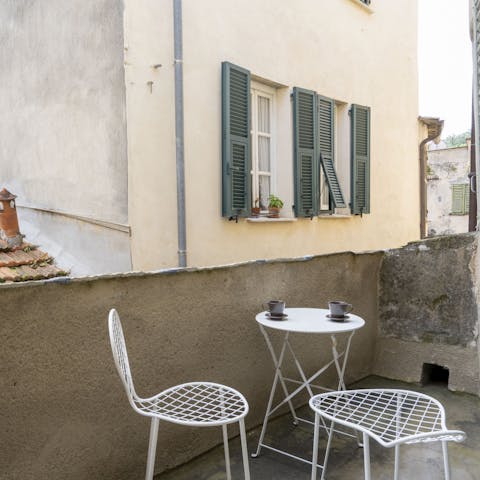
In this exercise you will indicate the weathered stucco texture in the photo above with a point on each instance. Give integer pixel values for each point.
(63, 145)
(64, 411)
(428, 310)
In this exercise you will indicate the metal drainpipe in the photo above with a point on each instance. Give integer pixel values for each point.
(423, 184)
(474, 20)
(179, 135)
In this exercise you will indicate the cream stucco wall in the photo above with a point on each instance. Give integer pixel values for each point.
(337, 48)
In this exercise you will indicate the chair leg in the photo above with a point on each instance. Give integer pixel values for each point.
(243, 440)
(446, 464)
(227, 452)
(315, 446)
(397, 461)
(366, 456)
(152, 448)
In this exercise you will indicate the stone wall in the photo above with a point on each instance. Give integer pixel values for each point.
(428, 311)
(64, 411)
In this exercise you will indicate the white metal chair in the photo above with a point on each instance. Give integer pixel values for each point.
(200, 404)
(389, 416)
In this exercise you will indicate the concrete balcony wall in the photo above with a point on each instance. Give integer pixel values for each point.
(64, 411)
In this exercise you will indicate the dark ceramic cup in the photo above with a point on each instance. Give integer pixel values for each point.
(339, 308)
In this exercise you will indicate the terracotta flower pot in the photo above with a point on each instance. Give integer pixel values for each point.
(255, 211)
(273, 212)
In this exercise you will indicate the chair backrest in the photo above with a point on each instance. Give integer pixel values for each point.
(119, 350)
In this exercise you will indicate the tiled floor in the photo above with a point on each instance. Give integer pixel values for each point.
(418, 462)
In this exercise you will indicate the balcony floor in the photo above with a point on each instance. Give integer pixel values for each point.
(417, 462)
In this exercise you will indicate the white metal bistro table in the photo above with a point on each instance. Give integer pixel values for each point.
(312, 321)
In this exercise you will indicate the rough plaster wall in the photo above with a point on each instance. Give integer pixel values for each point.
(64, 411)
(79, 247)
(428, 311)
(62, 104)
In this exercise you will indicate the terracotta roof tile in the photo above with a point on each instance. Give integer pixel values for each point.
(26, 263)
(7, 274)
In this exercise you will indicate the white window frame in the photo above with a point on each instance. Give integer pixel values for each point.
(256, 90)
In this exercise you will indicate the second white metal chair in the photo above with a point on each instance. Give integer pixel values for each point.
(200, 404)
(390, 416)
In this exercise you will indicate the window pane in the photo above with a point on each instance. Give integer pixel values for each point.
(264, 189)
(325, 195)
(263, 114)
(263, 154)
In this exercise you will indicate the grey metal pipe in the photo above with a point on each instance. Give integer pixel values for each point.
(474, 28)
(179, 135)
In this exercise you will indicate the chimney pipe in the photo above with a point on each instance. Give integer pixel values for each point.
(9, 230)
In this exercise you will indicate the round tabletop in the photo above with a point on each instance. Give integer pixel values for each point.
(310, 320)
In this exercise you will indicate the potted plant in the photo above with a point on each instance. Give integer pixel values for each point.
(256, 209)
(274, 206)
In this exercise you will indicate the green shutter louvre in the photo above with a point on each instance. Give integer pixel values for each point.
(305, 152)
(360, 158)
(236, 142)
(326, 143)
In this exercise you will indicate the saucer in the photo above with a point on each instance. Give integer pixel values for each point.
(271, 316)
(337, 318)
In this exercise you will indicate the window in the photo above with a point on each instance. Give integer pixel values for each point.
(460, 199)
(262, 138)
(314, 156)
(328, 139)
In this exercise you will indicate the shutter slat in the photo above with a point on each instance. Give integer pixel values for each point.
(360, 158)
(236, 142)
(305, 140)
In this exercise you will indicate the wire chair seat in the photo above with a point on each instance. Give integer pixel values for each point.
(196, 404)
(390, 416)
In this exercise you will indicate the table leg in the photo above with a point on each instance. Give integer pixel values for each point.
(300, 371)
(278, 377)
(327, 450)
(336, 357)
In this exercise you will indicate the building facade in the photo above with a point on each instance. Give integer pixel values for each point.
(448, 190)
(305, 102)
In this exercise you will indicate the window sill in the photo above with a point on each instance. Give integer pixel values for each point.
(270, 220)
(335, 215)
(368, 8)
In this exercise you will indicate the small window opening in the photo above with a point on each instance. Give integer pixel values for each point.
(1, 207)
(434, 374)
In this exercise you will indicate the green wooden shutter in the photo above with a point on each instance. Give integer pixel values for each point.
(326, 145)
(305, 152)
(460, 199)
(236, 142)
(360, 159)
